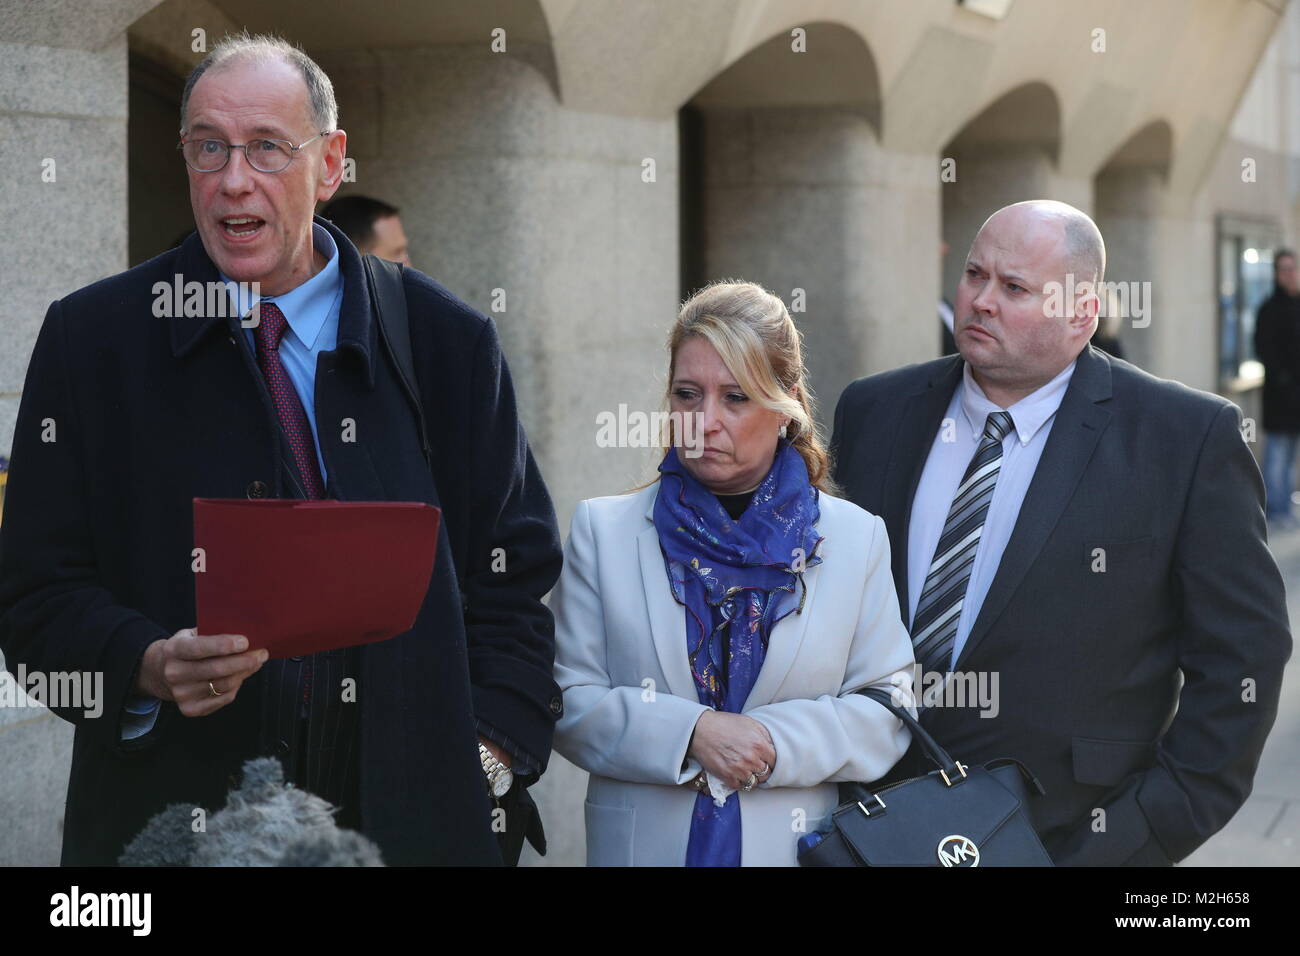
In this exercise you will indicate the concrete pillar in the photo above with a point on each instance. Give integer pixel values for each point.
(985, 182)
(63, 147)
(63, 141)
(1128, 210)
(806, 199)
(1184, 315)
(1151, 237)
(509, 197)
(996, 177)
(539, 216)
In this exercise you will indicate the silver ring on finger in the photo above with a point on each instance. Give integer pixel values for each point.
(213, 690)
(766, 769)
(750, 783)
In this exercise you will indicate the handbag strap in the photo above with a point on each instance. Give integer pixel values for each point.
(388, 299)
(953, 771)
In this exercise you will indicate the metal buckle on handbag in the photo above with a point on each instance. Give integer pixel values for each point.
(944, 773)
(866, 812)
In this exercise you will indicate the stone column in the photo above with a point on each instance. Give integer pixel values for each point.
(63, 147)
(63, 203)
(1185, 309)
(542, 218)
(805, 202)
(1128, 211)
(985, 182)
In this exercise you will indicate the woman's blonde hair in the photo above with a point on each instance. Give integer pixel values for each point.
(758, 342)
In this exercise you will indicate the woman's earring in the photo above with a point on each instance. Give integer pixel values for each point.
(783, 431)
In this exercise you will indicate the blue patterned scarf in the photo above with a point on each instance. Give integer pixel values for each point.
(736, 579)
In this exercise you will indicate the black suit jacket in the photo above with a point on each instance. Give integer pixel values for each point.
(95, 547)
(1145, 690)
(1277, 346)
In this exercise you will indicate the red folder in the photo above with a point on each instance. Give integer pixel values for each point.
(298, 576)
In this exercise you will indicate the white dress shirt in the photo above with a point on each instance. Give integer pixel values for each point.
(953, 448)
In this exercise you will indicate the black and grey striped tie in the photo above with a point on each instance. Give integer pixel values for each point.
(934, 628)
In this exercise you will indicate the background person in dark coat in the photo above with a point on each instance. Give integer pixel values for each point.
(1277, 346)
(127, 416)
(1118, 583)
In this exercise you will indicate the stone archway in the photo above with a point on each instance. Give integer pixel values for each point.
(1005, 154)
(1130, 192)
(782, 185)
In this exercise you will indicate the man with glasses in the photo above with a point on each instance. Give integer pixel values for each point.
(126, 417)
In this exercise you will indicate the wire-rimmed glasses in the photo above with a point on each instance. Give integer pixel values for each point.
(265, 155)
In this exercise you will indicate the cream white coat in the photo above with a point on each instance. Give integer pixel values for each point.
(630, 704)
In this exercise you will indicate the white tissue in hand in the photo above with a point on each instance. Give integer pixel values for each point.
(718, 790)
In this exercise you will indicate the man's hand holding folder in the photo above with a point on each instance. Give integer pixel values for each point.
(201, 673)
(288, 577)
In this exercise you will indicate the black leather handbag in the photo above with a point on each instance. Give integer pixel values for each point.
(953, 816)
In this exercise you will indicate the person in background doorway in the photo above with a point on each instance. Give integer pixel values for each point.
(373, 226)
(1277, 346)
(1106, 337)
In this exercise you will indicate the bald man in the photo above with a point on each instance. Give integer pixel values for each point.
(1079, 552)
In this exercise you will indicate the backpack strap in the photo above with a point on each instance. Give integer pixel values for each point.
(388, 299)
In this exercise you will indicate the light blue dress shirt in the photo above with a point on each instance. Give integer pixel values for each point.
(950, 454)
(311, 312)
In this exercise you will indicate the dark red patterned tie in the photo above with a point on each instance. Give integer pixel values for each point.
(267, 335)
(288, 406)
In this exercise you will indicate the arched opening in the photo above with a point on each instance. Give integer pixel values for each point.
(1005, 154)
(1129, 191)
(158, 200)
(779, 186)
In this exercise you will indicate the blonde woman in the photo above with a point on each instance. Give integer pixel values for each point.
(713, 626)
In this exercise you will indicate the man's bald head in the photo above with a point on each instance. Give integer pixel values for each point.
(1082, 245)
(1027, 302)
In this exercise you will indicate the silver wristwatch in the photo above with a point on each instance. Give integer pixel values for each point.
(499, 776)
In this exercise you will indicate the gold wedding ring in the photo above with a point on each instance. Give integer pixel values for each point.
(215, 692)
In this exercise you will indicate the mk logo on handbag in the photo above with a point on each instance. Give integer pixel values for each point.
(957, 850)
